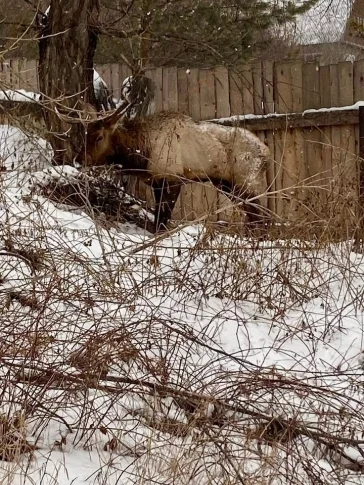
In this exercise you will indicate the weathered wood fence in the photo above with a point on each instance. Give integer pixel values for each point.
(314, 174)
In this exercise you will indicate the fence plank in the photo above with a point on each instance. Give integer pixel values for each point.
(15, 68)
(182, 91)
(298, 191)
(170, 89)
(283, 88)
(157, 77)
(278, 170)
(31, 75)
(247, 85)
(359, 80)
(270, 142)
(325, 92)
(206, 196)
(257, 88)
(289, 175)
(183, 107)
(236, 98)
(115, 81)
(268, 86)
(194, 94)
(297, 87)
(311, 86)
(105, 73)
(346, 92)
(334, 85)
(207, 94)
(222, 92)
(124, 72)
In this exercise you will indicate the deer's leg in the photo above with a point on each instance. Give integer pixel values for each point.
(166, 195)
(253, 210)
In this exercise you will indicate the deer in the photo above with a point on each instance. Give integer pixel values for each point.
(168, 149)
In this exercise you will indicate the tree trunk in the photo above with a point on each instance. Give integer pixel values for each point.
(67, 45)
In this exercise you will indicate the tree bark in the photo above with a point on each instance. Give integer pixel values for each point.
(67, 44)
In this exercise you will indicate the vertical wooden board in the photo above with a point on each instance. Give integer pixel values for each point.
(149, 196)
(224, 206)
(289, 175)
(336, 169)
(188, 197)
(194, 94)
(115, 81)
(2, 75)
(165, 89)
(296, 86)
(313, 156)
(247, 86)
(310, 86)
(359, 81)
(313, 166)
(177, 213)
(262, 137)
(149, 74)
(157, 76)
(236, 98)
(268, 86)
(124, 72)
(170, 89)
(257, 88)
(278, 171)
(271, 172)
(346, 83)
(325, 91)
(349, 172)
(32, 75)
(22, 81)
(334, 85)
(283, 88)
(207, 94)
(182, 91)
(299, 195)
(339, 181)
(327, 155)
(106, 74)
(15, 73)
(196, 203)
(206, 196)
(205, 201)
(7, 74)
(222, 92)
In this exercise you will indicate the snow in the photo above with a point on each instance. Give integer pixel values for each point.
(325, 22)
(19, 95)
(236, 118)
(105, 342)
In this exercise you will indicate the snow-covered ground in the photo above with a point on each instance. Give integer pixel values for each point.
(202, 359)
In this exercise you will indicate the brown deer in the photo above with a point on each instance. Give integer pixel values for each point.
(168, 149)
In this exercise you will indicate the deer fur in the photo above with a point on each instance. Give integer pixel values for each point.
(169, 149)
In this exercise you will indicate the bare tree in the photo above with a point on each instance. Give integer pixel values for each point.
(67, 45)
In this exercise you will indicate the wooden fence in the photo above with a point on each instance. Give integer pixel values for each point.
(314, 173)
